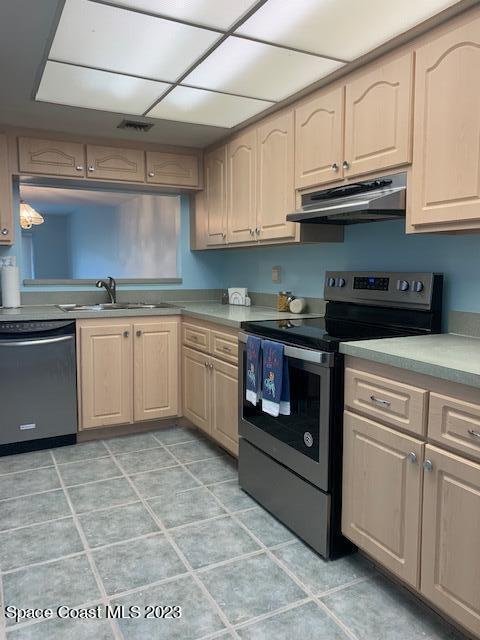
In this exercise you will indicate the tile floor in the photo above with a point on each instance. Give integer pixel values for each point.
(158, 519)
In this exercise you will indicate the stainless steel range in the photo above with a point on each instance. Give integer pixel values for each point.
(292, 464)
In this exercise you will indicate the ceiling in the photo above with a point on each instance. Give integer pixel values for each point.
(193, 68)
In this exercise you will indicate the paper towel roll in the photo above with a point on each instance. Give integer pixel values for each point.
(10, 287)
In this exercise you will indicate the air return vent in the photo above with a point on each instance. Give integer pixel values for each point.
(133, 125)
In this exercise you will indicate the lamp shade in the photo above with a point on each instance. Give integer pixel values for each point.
(28, 216)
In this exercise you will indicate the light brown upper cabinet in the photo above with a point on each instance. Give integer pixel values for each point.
(445, 185)
(319, 139)
(172, 169)
(54, 157)
(275, 178)
(378, 117)
(113, 163)
(6, 205)
(451, 535)
(215, 196)
(241, 187)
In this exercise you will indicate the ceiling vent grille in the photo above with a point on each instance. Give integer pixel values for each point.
(133, 125)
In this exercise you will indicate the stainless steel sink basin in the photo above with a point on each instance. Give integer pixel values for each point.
(112, 306)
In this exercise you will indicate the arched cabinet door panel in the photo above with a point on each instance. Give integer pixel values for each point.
(51, 157)
(241, 191)
(113, 163)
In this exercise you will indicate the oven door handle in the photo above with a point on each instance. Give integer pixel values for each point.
(322, 358)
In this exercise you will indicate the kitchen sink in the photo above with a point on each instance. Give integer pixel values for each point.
(112, 306)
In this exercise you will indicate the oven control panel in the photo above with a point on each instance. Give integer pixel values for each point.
(404, 289)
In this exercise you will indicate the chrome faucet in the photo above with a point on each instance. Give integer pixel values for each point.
(110, 286)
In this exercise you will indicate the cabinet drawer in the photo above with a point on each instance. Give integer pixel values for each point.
(455, 423)
(196, 337)
(224, 346)
(393, 403)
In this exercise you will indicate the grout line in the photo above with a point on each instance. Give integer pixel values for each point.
(11, 473)
(41, 563)
(84, 484)
(180, 554)
(3, 621)
(272, 614)
(27, 495)
(93, 567)
(34, 524)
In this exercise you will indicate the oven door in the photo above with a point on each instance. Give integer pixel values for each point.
(301, 440)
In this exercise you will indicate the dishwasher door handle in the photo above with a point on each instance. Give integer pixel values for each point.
(36, 341)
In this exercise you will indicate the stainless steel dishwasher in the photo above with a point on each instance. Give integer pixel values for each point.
(38, 394)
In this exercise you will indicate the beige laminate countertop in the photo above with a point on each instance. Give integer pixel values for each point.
(448, 356)
(228, 315)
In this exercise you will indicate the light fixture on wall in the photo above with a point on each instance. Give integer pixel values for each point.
(28, 216)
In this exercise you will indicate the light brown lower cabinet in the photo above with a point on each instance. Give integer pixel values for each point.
(196, 389)
(382, 494)
(127, 370)
(451, 536)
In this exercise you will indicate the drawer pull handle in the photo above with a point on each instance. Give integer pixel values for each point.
(380, 402)
(412, 456)
(475, 434)
(194, 338)
(228, 349)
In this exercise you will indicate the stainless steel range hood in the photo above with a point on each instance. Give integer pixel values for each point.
(369, 201)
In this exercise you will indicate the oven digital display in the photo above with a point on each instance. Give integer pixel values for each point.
(372, 283)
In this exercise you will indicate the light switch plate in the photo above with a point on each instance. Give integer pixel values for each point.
(276, 274)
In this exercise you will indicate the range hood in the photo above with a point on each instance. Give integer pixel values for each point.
(369, 201)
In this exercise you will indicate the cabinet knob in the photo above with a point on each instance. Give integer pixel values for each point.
(428, 465)
(334, 167)
(79, 167)
(252, 232)
(345, 164)
(151, 174)
(473, 433)
(224, 235)
(4, 231)
(138, 333)
(257, 231)
(412, 456)
(91, 167)
(211, 366)
(206, 363)
(126, 334)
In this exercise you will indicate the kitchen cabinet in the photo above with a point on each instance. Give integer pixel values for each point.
(172, 169)
(378, 117)
(444, 186)
(241, 187)
(114, 163)
(156, 369)
(319, 139)
(127, 370)
(210, 381)
(6, 203)
(275, 178)
(215, 196)
(382, 487)
(53, 157)
(451, 535)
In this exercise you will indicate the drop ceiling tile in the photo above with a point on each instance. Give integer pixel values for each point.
(219, 14)
(97, 35)
(206, 107)
(258, 70)
(344, 30)
(92, 89)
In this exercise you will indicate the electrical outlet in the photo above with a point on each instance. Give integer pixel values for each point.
(276, 274)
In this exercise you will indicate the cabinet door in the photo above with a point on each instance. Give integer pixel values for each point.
(319, 139)
(444, 186)
(6, 206)
(382, 494)
(196, 388)
(155, 369)
(215, 194)
(225, 404)
(378, 117)
(451, 536)
(241, 197)
(112, 163)
(54, 157)
(105, 374)
(275, 177)
(172, 169)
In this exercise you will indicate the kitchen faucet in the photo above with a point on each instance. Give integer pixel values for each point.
(110, 286)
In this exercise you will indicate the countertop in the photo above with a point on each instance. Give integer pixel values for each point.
(449, 356)
(228, 315)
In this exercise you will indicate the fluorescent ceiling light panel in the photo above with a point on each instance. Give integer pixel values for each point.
(344, 29)
(218, 14)
(80, 87)
(206, 107)
(258, 70)
(97, 35)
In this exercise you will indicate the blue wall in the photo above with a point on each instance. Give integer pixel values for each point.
(379, 246)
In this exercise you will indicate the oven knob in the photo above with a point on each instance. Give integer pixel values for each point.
(308, 439)
(341, 282)
(331, 282)
(418, 286)
(403, 285)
